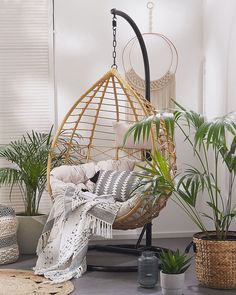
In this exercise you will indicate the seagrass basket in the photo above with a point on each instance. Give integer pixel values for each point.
(215, 261)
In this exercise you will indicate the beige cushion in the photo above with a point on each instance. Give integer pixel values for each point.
(79, 174)
(127, 205)
(120, 129)
(117, 165)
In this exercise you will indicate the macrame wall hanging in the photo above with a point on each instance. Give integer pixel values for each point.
(162, 89)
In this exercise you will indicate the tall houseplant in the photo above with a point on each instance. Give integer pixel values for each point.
(28, 171)
(29, 155)
(215, 139)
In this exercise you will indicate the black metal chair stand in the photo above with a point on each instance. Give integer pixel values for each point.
(137, 248)
(129, 249)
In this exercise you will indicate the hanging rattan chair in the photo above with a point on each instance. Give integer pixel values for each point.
(86, 134)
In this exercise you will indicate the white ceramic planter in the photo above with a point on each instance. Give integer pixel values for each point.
(172, 284)
(29, 231)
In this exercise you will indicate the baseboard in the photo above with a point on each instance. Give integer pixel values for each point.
(134, 236)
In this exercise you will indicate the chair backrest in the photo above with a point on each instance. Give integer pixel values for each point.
(87, 132)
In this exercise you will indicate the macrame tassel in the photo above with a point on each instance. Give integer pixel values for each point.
(162, 97)
(100, 227)
(163, 90)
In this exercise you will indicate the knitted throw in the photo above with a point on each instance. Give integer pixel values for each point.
(75, 217)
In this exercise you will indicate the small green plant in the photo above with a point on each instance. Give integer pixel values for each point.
(173, 262)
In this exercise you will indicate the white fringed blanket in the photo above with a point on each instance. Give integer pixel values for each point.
(75, 217)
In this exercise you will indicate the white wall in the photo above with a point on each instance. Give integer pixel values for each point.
(219, 49)
(219, 27)
(83, 54)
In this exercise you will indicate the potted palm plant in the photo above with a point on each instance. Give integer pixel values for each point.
(213, 144)
(28, 171)
(173, 268)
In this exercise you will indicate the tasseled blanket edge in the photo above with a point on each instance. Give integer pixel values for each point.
(99, 227)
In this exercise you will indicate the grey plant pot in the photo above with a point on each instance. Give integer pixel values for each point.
(172, 284)
(29, 231)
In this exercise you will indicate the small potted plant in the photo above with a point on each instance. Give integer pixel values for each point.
(28, 171)
(173, 268)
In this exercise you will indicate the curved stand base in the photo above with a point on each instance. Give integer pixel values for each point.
(130, 249)
(121, 249)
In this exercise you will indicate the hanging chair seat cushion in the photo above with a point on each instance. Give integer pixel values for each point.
(127, 206)
(80, 175)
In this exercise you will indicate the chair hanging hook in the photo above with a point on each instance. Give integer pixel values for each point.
(114, 24)
(150, 6)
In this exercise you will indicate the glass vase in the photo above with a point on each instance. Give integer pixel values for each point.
(147, 269)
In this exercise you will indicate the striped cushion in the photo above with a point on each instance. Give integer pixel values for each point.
(119, 184)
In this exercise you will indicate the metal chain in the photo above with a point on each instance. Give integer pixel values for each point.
(114, 42)
(150, 6)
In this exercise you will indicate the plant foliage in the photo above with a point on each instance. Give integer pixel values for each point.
(173, 262)
(29, 157)
(208, 139)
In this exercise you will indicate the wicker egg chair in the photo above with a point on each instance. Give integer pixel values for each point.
(86, 134)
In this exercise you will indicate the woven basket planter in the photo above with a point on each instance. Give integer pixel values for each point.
(9, 251)
(215, 261)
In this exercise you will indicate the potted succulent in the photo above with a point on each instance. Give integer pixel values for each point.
(173, 268)
(28, 171)
(213, 144)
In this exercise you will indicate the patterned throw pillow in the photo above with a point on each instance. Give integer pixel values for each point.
(118, 183)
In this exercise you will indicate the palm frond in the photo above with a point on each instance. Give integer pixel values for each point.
(9, 176)
(214, 133)
(229, 156)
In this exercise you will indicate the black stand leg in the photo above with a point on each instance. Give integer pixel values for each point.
(148, 235)
(141, 236)
(129, 249)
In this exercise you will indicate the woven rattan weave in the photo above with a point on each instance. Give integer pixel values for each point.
(216, 261)
(86, 134)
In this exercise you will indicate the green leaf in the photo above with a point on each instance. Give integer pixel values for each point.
(157, 123)
(213, 206)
